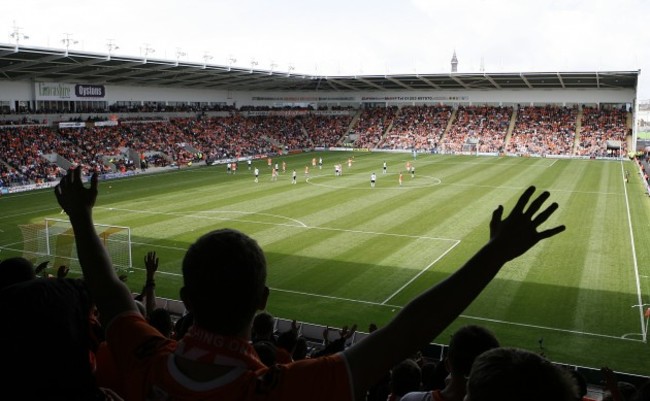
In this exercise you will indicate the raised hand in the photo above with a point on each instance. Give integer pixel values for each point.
(517, 233)
(151, 264)
(71, 194)
(41, 267)
(346, 332)
(62, 271)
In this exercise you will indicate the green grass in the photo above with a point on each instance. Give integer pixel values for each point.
(340, 252)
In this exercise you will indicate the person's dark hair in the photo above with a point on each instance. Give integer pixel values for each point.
(224, 275)
(405, 377)
(266, 351)
(46, 327)
(301, 349)
(511, 374)
(429, 378)
(263, 326)
(466, 344)
(15, 270)
(288, 340)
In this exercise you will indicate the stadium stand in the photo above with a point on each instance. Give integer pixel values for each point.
(37, 153)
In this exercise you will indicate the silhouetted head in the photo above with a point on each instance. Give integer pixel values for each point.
(224, 274)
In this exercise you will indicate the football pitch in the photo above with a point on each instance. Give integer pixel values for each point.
(340, 252)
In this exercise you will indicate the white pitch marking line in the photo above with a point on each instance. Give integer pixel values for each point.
(199, 216)
(335, 298)
(534, 326)
(421, 272)
(301, 224)
(32, 212)
(636, 266)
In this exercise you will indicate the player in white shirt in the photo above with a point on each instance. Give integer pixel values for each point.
(373, 178)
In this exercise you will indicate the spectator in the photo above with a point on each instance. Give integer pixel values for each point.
(15, 270)
(510, 374)
(465, 346)
(50, 333)
(405, 377)
(224, 275)
(263, 327)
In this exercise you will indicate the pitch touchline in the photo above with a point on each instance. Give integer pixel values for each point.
(636, 266)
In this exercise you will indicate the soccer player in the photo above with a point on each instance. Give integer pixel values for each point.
(313, 162)
(269, 162)
(274, 175)
(373, 178)
(400, 179)
(385, 167)
(224, 285)
(250, 163)
(228, 166)
(307, 171)
(257, 174)
(320, 163)
(294, 175)
(284, 166)
(349, 162)
(412, 170)
(234, 168)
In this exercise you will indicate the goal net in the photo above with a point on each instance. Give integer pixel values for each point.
(53, 240)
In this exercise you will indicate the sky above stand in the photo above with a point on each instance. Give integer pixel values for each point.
(337, 37)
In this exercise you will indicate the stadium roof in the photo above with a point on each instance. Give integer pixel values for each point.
(57, 65)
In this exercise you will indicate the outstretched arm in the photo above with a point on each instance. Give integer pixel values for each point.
(111, 295)
(429, 314)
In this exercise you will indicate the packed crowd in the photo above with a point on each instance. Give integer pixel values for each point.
(372, 125)
(107, 343)
(417, 127)
(600, 125)
(544, 130)
(538, 130)
(21, 156)
(477, 126)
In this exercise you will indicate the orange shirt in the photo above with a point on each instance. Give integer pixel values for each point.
(146, 360)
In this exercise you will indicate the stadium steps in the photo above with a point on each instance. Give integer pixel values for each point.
(576, 142)
(511, 127)
(387, 131)
(628, 127)
(450, 123)
(345, 138)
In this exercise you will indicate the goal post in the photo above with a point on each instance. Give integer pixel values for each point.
(54, 240)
